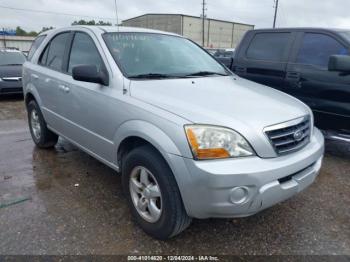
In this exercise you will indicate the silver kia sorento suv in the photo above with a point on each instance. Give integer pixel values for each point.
(190, 139)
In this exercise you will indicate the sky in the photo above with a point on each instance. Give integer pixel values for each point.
(292, 13)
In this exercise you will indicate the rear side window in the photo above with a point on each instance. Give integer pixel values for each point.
(317, 48)
(53, 54)
(268, 46)
(37, 42)
(84, 52)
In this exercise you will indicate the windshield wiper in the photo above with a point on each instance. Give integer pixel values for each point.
(205, 73)
(151, 76)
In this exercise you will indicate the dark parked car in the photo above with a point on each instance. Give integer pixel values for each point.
(310, 64)
(225, 56)
(11, 62)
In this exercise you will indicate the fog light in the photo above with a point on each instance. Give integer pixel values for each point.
(239, 195)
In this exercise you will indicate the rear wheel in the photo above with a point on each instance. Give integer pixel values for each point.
(152, 193)
(41, 135)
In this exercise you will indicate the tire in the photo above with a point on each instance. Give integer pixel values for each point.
(41, 135)
(173, 218)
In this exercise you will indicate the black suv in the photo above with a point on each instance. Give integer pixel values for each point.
(310, 64)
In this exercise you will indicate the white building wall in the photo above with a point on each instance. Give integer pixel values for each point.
(22, 43)
(192, 29)
(218, 34)
(168, 23)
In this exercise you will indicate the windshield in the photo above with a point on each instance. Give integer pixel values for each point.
(145, 54)
(11, 58)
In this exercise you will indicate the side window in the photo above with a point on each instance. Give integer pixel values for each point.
(317, 48)
(53, 54)
(37, 42)
(84, 52)
(268, 46)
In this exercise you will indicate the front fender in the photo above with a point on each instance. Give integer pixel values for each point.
(148, 132)
(166, 146)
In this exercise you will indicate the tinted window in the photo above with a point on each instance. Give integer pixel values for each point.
(268, 46)
(35, 46)
(84, 52)
(317, 48)
(54, 53)
(11, 58)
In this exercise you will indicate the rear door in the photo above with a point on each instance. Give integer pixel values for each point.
(48, 77)
(263, 57)
(327, 93)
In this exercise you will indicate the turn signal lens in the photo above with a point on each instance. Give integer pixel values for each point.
(211, 142)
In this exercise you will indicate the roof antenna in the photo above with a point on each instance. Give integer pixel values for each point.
(116, 14)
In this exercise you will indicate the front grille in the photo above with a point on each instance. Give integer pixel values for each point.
(291, 136)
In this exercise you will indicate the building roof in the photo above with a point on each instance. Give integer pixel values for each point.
(170, 14)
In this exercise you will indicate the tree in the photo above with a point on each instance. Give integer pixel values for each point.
(46, 29)
(20, 31)
(91, 22)
(32, 33)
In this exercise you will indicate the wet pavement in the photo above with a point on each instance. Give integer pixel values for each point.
(62, 201)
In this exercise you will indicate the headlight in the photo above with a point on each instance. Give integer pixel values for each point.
(212, 142)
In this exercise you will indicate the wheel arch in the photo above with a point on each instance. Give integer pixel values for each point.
(32, 94)
(138, 132)
(141, 132)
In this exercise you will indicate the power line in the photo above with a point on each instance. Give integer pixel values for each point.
(52, 13)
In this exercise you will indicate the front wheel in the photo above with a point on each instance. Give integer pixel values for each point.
(41, 135)
(152, 193)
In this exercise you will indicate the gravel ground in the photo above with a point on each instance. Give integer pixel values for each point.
(63, 201)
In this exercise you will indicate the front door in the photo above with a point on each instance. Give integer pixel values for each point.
(91, 119)
(327, 93)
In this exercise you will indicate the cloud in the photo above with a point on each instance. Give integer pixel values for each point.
(327, 13)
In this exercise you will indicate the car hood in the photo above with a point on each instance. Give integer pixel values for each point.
(11, 71)
(220, 100)
(233, 102)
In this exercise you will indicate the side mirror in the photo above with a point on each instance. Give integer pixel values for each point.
(90, 73)
(339, 63)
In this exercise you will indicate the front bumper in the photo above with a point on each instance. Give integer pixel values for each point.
(11, 87)
(243, 187)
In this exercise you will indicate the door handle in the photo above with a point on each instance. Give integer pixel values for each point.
(294, 79)
(64, 88)
(295, 76)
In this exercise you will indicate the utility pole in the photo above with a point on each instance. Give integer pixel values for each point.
(116, 12)
(275, 17)
(203, 22)
(3, 31)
